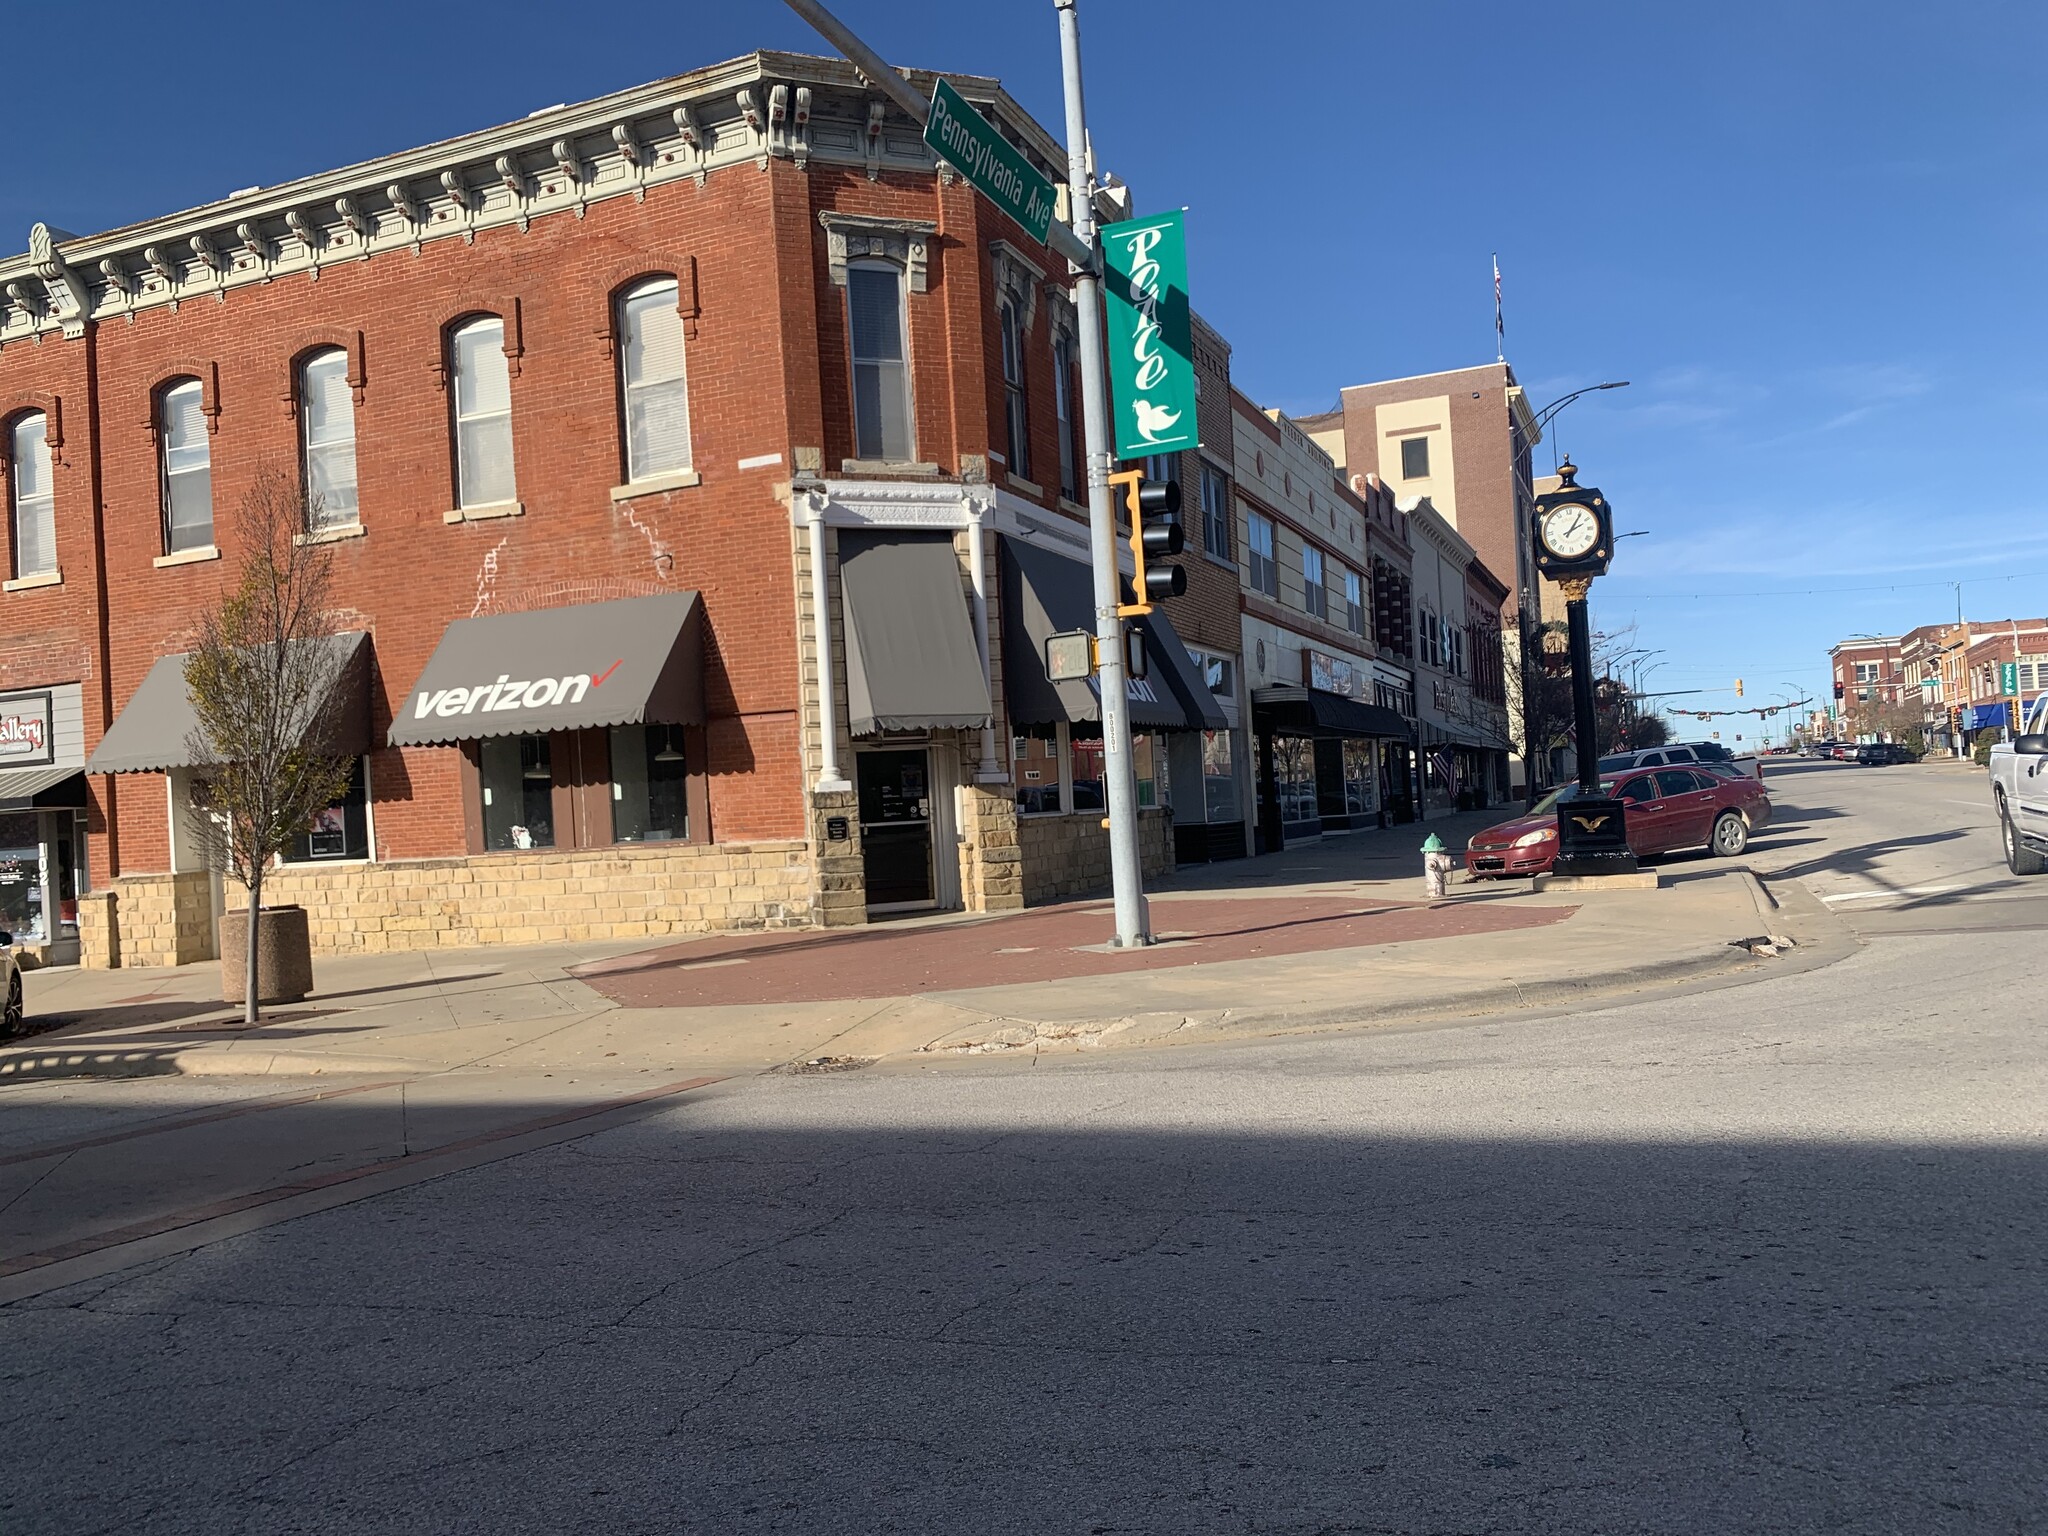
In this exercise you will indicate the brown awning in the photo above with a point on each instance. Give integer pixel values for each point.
(635, 661)
(154, 730)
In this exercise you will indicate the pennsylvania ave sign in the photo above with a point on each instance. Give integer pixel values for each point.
(970, 144)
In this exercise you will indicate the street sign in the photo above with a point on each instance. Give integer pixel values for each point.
(1151, 347)
(2009, 677)
(969, 143)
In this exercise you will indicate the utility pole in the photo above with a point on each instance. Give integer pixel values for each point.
(1084, 259)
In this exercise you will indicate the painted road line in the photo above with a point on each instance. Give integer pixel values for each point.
(1894, 894)
(176, 1232)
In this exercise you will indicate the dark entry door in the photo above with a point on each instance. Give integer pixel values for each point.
(896, 825)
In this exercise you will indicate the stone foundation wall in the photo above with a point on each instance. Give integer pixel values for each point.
(991, 862)
(538, 898)
(1069, 855)
(147, 920)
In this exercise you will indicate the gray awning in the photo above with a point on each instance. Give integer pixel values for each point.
(1046, 594)
(154, 729)
(630, 662)
(912, 663)
(42, 789)
(1181, 672)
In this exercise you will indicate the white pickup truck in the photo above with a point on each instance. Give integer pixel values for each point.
(2019, 788)
(1747, 763)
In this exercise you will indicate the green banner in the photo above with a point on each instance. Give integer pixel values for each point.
(969, 143)
(1151, 353)
(2009, 677)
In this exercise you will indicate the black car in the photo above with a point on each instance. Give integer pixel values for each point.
(1878, 754)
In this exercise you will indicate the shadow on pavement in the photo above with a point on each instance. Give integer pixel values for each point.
(729, 1322)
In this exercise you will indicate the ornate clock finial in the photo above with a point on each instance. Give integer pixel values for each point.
(1565, 471)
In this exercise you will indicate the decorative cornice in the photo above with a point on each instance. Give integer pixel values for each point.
(558, 161)
(850, 236)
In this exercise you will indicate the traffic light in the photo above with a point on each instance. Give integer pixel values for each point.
(1738, 687)
(1838, 693)
(1156, 536)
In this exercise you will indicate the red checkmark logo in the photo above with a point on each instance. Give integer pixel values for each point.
(598, 682)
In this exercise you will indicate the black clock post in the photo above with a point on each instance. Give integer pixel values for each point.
(1574, 528)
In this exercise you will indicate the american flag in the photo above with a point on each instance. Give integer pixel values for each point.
(1500, 335)
(1446, 767)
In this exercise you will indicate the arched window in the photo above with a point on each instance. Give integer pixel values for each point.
(327, 440)
(881, 375)
(1016, 413)
(186, 465)
(652, 388)
(35, 502)
(483, 414)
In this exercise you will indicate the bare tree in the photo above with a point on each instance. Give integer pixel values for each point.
(262, 681)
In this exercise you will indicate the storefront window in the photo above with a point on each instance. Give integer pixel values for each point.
(518, 785)
(339, 831)
(650, 784)
(1035, 758)
(1088, 775)
(1219, 777)
(1361, 779)
(1149, 753)
(21, 878)
(1294, 772)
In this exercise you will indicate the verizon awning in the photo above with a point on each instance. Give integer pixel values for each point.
(1312, 712)
(1045, 594)
(912, 663)
(154, 730)
(629, 662)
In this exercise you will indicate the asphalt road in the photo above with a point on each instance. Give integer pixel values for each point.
(1761, 1259)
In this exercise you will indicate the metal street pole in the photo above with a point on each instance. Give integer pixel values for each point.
(1120, 784)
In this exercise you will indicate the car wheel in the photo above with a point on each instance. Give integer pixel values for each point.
(1731, 835)
(10, 1018)
(2019, 858)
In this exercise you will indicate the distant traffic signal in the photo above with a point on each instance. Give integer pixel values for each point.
(1738, 687)
(1838, 693)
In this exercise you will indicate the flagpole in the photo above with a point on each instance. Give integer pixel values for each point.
(1500, 335)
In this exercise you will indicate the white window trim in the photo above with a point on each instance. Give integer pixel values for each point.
(897, 269)
(465, 512)
(674, 285)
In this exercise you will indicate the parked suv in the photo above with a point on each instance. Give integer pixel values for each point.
(1709, 754)
(1877, 754)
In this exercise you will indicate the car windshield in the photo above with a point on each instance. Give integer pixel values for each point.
(1548, 803)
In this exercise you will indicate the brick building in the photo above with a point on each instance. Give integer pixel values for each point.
(715, 410)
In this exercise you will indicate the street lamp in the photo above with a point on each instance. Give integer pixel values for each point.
(1544, 416)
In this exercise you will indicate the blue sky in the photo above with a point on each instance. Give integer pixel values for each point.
(1801, 231)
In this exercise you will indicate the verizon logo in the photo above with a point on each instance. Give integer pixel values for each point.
(509, 693)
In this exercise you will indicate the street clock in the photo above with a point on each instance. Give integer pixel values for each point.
(1574, 530)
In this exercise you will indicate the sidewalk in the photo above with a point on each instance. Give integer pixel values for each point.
(1319, 937)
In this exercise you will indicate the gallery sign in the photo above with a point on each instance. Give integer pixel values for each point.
(27, 731)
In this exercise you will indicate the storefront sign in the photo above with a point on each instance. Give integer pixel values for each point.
(1332, 674)
(26, 735)
(1151, 340)
(508, 692)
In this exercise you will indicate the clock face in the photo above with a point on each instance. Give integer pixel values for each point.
(1570, 530)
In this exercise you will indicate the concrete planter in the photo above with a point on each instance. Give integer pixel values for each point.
(284, 954)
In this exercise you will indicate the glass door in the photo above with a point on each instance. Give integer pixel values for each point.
(895, 788)
(21, 878)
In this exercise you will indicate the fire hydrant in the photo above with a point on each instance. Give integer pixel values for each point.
(1436, 867)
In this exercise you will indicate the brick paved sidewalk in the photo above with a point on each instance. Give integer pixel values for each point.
(1046, 944)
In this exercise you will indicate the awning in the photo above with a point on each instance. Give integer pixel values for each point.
(912, 663)
(154, 730)
(43, 789)
(629, 662)
(1312, 712)
(1183, 676)
(1045, 594)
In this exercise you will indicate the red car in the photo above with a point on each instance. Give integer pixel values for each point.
(1668, 808)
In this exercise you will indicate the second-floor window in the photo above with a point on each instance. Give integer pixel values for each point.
(1063, 409)
(1354, 603)
(186, 466)
(1414, 458)
(881, 375)
(483, 414)
(35, 501)
(652, 387)
(327, 440)
(1315, 597)
(1432, 635)
(1016, 416)
(1265, 573)
(1215, 513)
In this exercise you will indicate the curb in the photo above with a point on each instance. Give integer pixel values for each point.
(49, 1065)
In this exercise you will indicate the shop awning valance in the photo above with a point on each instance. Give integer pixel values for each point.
(638, 660)
(42, 789)
(1181, 673)
(153, 732)
(1312, 712)
(1045, 594)
(912, 663)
